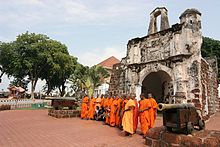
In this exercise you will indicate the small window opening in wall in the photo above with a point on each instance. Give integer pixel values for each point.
(191, 22)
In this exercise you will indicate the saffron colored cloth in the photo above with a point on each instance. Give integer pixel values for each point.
(144, 116)
(84, 107)
(98, 102)
(107, 110)
(153, 111)
(135, 115)
(127, 120)
(118, 117)
(91, 108)
(113, 110)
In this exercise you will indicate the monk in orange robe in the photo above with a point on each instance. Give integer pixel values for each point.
(110, 100)
(118, 118)
(127, 120)
(102, 100)
(107, 110)
(153, 110)
(91, 108)
(135, 113)
(113, 110)
(98, 101)
(123, 103)
(84, 107)
(144, 116)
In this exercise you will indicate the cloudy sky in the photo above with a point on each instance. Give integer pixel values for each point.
(94, 30)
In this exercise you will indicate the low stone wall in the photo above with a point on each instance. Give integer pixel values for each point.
(159, 137)
(63, 113)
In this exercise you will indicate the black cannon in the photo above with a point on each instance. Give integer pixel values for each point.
(181, 118)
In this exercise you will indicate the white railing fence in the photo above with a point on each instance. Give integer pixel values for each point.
(23, 103)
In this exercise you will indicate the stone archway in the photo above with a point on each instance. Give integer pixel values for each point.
(164, 79)
(159, 84)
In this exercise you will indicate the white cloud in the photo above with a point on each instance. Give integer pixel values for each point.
(98, 55)
(34, 12)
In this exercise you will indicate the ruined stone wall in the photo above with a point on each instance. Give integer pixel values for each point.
(159, 137)
(177, 52)
(210, 99)
(117, 81)
(177, 48)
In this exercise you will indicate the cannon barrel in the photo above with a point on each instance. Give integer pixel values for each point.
(162, 106)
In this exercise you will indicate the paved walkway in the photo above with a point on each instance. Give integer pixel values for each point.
(34, 128)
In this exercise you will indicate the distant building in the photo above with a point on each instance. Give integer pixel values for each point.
(108, 65)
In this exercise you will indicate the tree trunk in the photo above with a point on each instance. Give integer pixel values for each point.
(49, 89)
(1, 76)
(62, 93)
(33, 86)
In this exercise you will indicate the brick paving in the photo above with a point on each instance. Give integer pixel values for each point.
(34, 128)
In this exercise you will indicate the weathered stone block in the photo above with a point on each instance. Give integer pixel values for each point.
(164, 144)
(155, 133)
(211, 142)
(189, 141)
(171, 138)
(148, 141)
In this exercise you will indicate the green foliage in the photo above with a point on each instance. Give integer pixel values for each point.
(6, 58)
(86, 79)
(210, 48)
(37, 56)
(59, 66)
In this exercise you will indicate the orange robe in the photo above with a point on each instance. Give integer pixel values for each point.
(122, 109)
(144, 116)
(110, 100)
(98, 102)
(118, 118)
(113, 110)
(102, 102)
(135, 116)
(153, 112)
(91, 108)
(127, 120)
(84, 107)
(106, 110)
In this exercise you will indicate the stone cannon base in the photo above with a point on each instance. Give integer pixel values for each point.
(158, 137)
(63, 113)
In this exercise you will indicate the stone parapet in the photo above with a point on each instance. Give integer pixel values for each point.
(63, 113)
(159, 137)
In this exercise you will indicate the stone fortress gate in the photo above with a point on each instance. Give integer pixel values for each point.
(168, 64)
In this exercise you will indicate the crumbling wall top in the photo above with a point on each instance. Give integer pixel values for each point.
(190, 11)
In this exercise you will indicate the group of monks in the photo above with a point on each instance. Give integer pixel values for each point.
(123, 111)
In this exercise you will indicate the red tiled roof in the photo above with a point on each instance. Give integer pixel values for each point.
(108, 63)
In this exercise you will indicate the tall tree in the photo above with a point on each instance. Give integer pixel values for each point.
(78, 80)
(211, 47)
(65, 67)
(50, 72)
(30, 49)
(7, 56)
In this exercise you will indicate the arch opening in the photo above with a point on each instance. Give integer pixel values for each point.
(160, 85)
